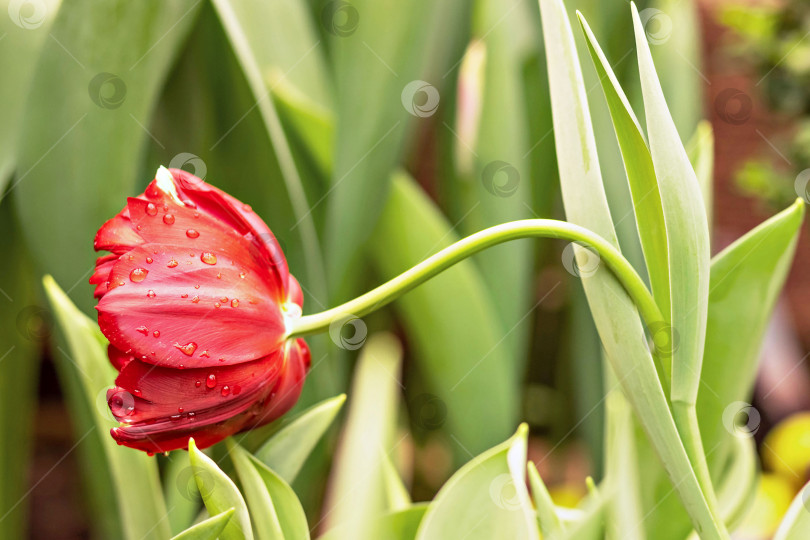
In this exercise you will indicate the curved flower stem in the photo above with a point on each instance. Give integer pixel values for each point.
(528, 228)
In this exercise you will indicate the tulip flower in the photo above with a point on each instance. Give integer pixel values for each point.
(196, 300)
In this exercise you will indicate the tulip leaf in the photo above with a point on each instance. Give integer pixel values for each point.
(686, 227)
(210, 529)
(286, 450)
(108, 85)
(550, 524)
(796, 523)
(396, 494)
(220, 494)
(625, 520)
(245, 24)
(134, 474)
(24, 330)
(746, 280)
(461, 366)
(615, 315)
(486, 498)
(398, 525)
(641, 178)
(357, 488)
(277, 514)
(180, 490)
(591, 524)
(701, 155)
(23, 37)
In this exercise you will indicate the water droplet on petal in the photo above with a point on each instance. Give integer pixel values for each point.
(197, 384)
(187, 349)
(234, 303)
(168, 219)
(143, 330)
(172, 263)
(226, 390)
(208, 258)
(175, 417)
(219, 276)
(183, 296)
(191, 415)
(180, 409)
(149, 260)
(204, 354)
(137, 392)
(224, 299)
(242, 275)
(197, 286)
(195, 299)
(221, 359)
(151, 209)
(217, 304)
(190, 204)
(211, 381)
(156, 333)
(196, 214)
(151, 293)
(138, 274)
(191, 233)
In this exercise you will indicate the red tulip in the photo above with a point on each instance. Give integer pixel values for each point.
(195, 299)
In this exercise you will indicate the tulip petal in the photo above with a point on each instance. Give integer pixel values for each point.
(294, 292)
(179, 311)
(117, 235)
(118, 358)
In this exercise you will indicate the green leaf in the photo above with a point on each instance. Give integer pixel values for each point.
(399, 525)
(277, 513)
(220, 494)
(180, 490)
(286, 451)
(356, 488)
(134, 474)
(24, 331)
(24, 33)
(396, 494)
(614, 314)
(550, 524)
(686, 227)
(461, 366)
(591, 524)
(210, 529)
(640, 174)
(701, 155)
(486, 498)
(259, 56)
(796, 523)
(746, 280)
(90, 140)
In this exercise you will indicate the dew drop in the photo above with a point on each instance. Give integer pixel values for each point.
(208, 258)
(120, 283)
(197, 286)
(168, 219)
(175, 417)
(183, 296)
(219, 276)
(196, 214)
(138, 274)
(217, 304)
(181, 366)
(211, 381)
(204, 354)
(172, 263)
(192, 233)
(191, 415)
(221, 359)
(180, 409)
(156, 333)
(151, 209)
(165, 207)
(236, 389)
(151, 293)
(131, 257)
(234, 303)
(149, 260)
(224, 299)
(187, 349)
(137, 392)
(226, 390)
(143, 330)
(197, 384)
(195, 299)
(242, 275)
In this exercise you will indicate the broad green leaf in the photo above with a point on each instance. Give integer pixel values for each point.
(614, 314)
(251, 42)
(640, 174)
(591, 523)
(220, 494)
(382, 53)
(180, 490)
(796, 523)
(286, 451)
(90, 140)
(24, 331)
(686, 228)
(277, 514)
(550, 524)
(356, 487)
(24, 32)
(746, 280)
(701, 155)
(486, 498)
(399, 525)
(210, 529)
(134, 474)
(461, 366)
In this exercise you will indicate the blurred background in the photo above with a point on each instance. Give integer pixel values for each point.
(368, 135)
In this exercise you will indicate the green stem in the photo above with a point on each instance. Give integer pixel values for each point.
(529, 228)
